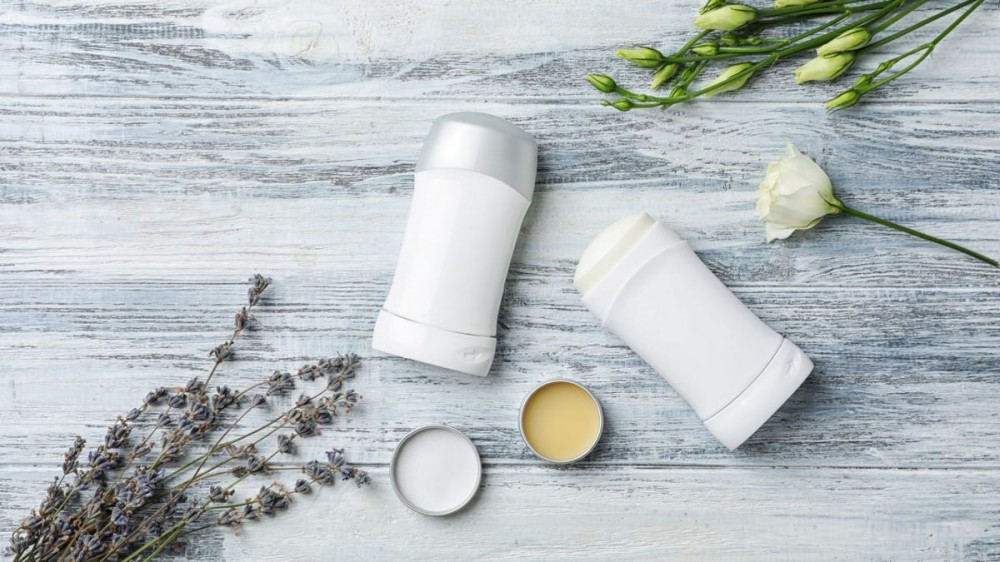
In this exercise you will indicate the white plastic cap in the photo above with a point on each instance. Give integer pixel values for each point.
(484, 143)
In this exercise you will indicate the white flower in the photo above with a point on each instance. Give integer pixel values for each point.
(726, 18)
(795, 195)
(643, 57)
(824, 68)
(728, 74)
(850, 40)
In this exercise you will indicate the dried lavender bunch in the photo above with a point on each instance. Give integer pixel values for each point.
(131, 499)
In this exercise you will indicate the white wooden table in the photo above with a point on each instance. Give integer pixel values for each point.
(153, 154)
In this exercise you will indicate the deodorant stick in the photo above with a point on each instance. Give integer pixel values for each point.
(649, 288)
(473, 184)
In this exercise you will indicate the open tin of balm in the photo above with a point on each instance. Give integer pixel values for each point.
(435, 470)
(561, 421)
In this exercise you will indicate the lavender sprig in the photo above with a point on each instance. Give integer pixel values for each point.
(120, 503)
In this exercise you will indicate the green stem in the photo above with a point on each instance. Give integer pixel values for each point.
(928, 48)
(779, 43)
(918, 234)
(684, 48)
(687, 80)
(653, 101)
(817, 41)
(898, 16)
(916, 26)
(771, 12)
(818, 12)
(886, 8)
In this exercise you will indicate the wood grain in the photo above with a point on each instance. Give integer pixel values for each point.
(154, 154)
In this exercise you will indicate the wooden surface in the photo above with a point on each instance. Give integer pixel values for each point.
(153, 154)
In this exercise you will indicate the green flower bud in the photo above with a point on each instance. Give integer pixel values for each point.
(824, 68)
(621, 104)
(678, 91)
(729, 72)
(729, 40)
(666, 72)
(642, 56)
(706, 48)
(795, 3)
(603, 83)
(862, 82)
(850, 40)
(726, 18)
(844, 100)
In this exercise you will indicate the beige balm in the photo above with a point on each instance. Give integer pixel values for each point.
(561, 421)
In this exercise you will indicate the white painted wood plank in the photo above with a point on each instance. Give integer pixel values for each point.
(401, 49)
(636, 513)
(904, 377)
(348, 176)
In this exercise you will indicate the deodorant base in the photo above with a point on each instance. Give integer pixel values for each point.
(465, 353)
(742, 417)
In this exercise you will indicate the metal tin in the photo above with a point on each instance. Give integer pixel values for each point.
(600, 414)
(395, 456)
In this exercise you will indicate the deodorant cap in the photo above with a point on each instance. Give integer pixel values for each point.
(479, 142)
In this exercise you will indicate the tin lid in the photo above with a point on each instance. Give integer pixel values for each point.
(480, 142)
(435, 470)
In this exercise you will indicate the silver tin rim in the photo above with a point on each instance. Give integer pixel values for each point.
(600, 415)
(395, 456)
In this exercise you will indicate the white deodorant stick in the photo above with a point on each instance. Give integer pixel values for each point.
(649, 288)
(474, 182)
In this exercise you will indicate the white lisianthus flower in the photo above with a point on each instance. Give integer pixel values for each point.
(795, 195)
(729, 75)
(726, 17)
(824, 68)
(850, 40)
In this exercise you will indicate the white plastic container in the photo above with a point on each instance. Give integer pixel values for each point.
(474, 182)
(649, 288)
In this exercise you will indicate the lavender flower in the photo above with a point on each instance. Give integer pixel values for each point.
(72, 456)
(155, 395)
(286, 444)
(218, 494)
(244, 319)
(125, 500)
(280, 383)
(258, 283)
(117, 435)
(222, 351)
